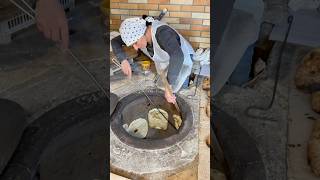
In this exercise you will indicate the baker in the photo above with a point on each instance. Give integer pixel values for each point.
(170, 52)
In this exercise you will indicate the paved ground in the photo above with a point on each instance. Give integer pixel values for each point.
(282, 143)
(270, 136)
(204, 131)
(35, 74)
(300, 122)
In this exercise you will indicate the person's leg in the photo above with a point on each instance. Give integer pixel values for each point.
(13, 123)
(186, 83)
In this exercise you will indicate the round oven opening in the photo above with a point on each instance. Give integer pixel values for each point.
(137, 105)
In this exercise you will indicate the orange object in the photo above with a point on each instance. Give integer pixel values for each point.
(145, 65)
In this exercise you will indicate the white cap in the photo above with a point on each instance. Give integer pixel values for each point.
(132, 29)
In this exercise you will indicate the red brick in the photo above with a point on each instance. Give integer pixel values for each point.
(180, 14)
(153, 1)
(195, 45)
(138, 1)
(115, 17)
(116, 21)
(204, 45)
(205, 34)
(170, 7)
(114, 5)
(199, 39)
(164, 1)
(119, 11)
(138, 12)
(200, 28)
(201, 2)
(207, 9)
(189, 33)
(128, 6)
(148, 6)
(114, 26)
(189, 2)
(190, 21)
(193, 8)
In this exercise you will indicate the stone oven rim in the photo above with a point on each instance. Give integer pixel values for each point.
(124, 137)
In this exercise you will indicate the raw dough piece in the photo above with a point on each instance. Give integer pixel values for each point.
(206, 84)
(156, 119)
(208, 140)
(315, 101)
(208, 109)
(177, 121)
(314, 148)
(308, 73)
(137, 128)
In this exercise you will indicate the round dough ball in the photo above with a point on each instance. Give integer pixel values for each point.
(156, 119)
(138, 128)
(177, 121)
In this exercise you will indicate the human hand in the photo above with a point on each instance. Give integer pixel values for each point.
(126, 68)
(171, 98)
(52, 21)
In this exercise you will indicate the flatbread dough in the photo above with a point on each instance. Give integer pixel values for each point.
(308, 72)
(177, 121)
(137, 128)
(156, 119)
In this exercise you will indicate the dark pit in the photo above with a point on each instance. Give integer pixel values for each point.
(136, 105)
(239, 155)
(67, 142)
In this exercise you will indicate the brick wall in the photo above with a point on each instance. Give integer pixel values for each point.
(190, 17)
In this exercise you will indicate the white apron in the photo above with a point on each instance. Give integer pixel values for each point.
(161, 58)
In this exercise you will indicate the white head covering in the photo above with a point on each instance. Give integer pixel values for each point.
(132, 29)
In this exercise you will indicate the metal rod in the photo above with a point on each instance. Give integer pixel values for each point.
(156, 106)
(148, 98)
(22, 9)
(68, 50)
(88, 72)
(31, 9)
(197, 82)
(283, 45)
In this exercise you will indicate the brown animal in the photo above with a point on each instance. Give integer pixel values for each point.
(314, 148)
(308, 73)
